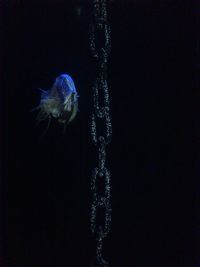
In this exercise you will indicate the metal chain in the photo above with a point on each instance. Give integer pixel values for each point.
(100, 33)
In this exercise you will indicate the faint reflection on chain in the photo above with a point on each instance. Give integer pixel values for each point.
(100, 45)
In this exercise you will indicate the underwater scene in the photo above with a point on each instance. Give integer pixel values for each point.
(99, 140)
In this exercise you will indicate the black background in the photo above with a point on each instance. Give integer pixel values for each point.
(153, 156)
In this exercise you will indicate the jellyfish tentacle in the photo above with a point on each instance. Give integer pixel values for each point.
(48, 124)
(42, 115)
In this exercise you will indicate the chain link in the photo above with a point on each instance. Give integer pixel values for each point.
(100, 44)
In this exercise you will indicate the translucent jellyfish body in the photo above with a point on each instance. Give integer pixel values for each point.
(60, 102)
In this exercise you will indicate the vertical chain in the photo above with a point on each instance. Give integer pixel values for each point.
(100, 47)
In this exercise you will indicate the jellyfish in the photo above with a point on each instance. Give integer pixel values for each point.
(60, 102)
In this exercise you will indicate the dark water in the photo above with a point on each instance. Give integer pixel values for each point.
(153, 156)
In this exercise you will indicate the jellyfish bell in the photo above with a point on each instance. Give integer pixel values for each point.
(60, 102)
